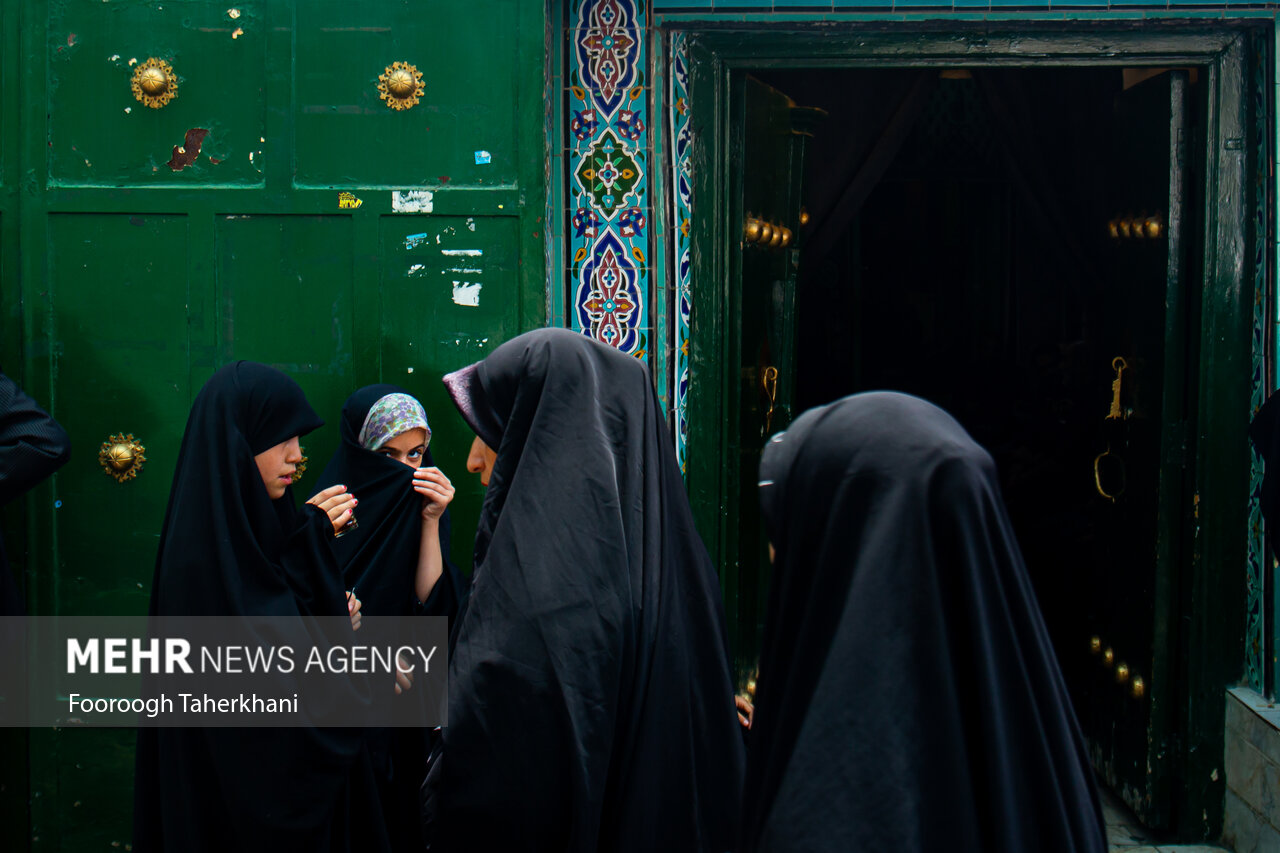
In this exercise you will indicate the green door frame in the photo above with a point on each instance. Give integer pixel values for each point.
(1209, 593)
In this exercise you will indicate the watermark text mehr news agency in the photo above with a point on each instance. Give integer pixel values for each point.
(121, 656)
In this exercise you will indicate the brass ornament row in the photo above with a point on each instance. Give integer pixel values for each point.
(1137, 687)
(154, 84)
(121, 456)
(1136, 227)
(766, 234)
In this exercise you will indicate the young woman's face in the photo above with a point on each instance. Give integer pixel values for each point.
(407, 447)
(480, 460)
(277, 466)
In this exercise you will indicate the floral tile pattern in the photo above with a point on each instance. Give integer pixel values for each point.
(608, 193)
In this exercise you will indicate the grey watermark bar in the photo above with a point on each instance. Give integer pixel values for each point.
(279, 671)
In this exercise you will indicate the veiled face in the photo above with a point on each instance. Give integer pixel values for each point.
(408, 447)
(277, 466)
(481, 459)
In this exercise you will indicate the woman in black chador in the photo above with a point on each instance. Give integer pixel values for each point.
(396, 561)
(908, 697)
(590, 706)
(234, 545)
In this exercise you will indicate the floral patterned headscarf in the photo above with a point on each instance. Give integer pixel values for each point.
(390, 416)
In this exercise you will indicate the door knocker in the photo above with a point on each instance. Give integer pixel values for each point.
(1118, 464)
(769, 385)
(1119, 365)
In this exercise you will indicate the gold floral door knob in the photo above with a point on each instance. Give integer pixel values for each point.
(400, 85)
(121, 456)
(154, 83)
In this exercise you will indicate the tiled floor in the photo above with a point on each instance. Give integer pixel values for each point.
(1126, 835)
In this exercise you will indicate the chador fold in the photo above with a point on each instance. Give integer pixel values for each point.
(908, 696)
(235, 546)
(591, 706)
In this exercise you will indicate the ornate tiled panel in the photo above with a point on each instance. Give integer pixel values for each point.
(608, 174)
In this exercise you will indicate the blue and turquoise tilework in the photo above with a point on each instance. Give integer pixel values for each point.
(608, 174)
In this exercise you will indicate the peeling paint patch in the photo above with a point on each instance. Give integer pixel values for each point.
(466, 253)
(467, 293)
(415, 269)
(412, 241)
(233, 13)
(483, 158)
(412, 201)
(186, 153)
(236, 33)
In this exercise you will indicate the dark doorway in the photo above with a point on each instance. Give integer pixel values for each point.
(1005, 243)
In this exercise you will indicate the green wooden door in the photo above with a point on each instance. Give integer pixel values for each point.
(1126, 690)
(277, 209)
(767, 142)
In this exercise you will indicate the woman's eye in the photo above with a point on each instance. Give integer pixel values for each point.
(415, 453)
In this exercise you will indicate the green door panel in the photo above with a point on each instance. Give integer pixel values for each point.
(1139, 539)
(100, 134)
(760, 322)
(347, 135)
(286, 298)
(447, 286)
(118, 350)
(119, 330)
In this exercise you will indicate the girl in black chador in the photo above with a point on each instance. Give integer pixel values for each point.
(395, 560)
(590, 703)
(235, 545)
(908, 697)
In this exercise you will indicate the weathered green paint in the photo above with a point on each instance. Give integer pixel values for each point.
(1212, 612)
(1200, 598)
(127, 283)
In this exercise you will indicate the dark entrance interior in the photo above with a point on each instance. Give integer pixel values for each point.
(995, 241)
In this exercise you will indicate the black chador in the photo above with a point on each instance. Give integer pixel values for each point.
(908, 696)
(227, 549)
(379, 559)
(590, 706)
